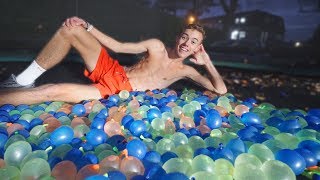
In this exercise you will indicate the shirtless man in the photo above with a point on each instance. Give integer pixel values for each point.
(161, 67)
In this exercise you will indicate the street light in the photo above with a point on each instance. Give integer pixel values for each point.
(191, 19)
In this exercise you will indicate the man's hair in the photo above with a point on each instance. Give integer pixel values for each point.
(196, 27)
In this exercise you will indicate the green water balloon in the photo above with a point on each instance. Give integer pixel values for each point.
(184, 151)
(204, 175)
(10, 173)
(158, 124)
(226, 137)
(35, 169)
(202, 163)
(271, 130)
(13, 112)
(307, 134)
(176, 165)
(51, 107)
(151, 145)
(15, 153)
(248, 172)
(101, 147)
(287, 139)
(176, 111)
(124, 94)
(274, 145)
(262, 152)
(27, 117)
(216, 133)
(188, 110)
(14, 138)
(60, 151)
(65, 120)
(196, 105)
(98, 107)
(165, 145)
(179, 138)
(223, 167)
(246, 158)
(80, 130)
(196, 142)
(38, 130)
(34, 154)
(27, 111)
(213, 141)
(105, 153)
(275, 169)
(225, 177)
(167, 116)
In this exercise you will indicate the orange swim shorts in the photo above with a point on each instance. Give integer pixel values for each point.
(108, 75)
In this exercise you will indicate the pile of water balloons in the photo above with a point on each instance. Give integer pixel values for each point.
(159, 134)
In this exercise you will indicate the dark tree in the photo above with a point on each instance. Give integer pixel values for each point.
(229, 9)
(198, 7)
(144, 3)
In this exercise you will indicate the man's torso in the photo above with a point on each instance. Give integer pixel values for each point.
(156, 71)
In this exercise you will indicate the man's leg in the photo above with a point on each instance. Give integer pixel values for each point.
(57, 48)
(66, 92)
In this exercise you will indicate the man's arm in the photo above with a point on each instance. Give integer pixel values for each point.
(114, 45)
(214, 82)
(127, 47)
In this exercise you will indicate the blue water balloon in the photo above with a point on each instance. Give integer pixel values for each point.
(293, 159)
(79, 110)
(61, 135)
(96, 137)
(250, 118)
(137, 127)
(213, 119)
(137, 149)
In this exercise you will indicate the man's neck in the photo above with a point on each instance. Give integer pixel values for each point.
(172, 54)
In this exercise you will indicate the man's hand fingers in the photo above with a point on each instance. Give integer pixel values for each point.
(193, 60)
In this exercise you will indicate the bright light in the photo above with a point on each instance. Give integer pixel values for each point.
(297, 44)
(191, 19)
(236, 20)
(242, 20)
(234, 35)
(242, 34)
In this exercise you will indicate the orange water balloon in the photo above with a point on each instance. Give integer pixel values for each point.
(131, 167)
(222, 111)
(186, 122)
(241, 109)
(204, 129)
(2, 163)
(112, 128)
(51, 124)
(77, 121)
(87, 171)
(64, 170)
(170, 128)
(109, 163)
(171, 92)
(45, 115)
(171, 104)
(14, 127)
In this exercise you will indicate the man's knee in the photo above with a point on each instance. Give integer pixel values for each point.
(71, 32)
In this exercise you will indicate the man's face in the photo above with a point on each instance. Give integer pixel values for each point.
(188, 43)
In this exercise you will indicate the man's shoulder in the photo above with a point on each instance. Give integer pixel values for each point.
(156, 43)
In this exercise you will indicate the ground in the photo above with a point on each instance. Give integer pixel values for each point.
(281, 90)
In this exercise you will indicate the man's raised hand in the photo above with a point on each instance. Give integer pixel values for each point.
(200, 57)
